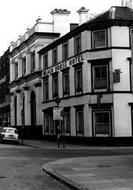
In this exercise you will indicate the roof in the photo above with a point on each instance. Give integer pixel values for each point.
(115, 16)
(116, 13)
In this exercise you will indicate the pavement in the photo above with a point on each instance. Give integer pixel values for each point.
(108, 172)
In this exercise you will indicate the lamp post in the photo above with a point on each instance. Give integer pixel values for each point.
(57, 100)
(22, 129)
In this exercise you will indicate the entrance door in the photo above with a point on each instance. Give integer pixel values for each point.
(102, 123)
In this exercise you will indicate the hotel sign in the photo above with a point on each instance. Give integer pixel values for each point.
(64, 65)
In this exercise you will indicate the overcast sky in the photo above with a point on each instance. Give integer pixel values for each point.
(17, 15)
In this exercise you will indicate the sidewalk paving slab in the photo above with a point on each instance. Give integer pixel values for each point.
(94, 173)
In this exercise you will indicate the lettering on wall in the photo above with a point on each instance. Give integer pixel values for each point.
(64, 65)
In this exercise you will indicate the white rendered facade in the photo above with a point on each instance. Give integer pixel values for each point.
(99, 103)
(25, 74)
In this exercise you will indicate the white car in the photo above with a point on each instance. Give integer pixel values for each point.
(9, 134)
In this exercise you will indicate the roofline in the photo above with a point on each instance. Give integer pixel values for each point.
(34, 35)
(86, 26)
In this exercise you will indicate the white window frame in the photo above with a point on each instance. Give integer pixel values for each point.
(76, 80)
(63, 50)
(77, 46)
(77, 128)
(44, 89)
(15, 70)
(93, 40)
(33, 61)
(65, 121)
(93, 70)
(94, 123)
(66, 84)
(23, 66)
(49, 127)
(45, 61)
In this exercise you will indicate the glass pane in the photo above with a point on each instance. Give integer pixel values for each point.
(80, 121)
(99, 39)
(100, 77)
(102, 123)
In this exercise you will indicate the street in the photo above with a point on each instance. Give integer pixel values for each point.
(20, 169)
(20, 165)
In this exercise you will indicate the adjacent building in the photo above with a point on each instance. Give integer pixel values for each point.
(89, 73)
(4, 90)
(26, 72)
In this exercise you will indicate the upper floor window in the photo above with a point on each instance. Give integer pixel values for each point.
(16, 70)
(54, 55)
(45, 60)
(23, 65)
(78, 79)
(65, 51)
(66, 83)
(32, 55)
(55, 86)
(99, 39)
(45, 90)
(100, 77)
(77, 44)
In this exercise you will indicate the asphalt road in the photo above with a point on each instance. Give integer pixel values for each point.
(20, 166)
(20, 169)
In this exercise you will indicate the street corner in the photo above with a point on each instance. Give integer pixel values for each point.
(52, 171)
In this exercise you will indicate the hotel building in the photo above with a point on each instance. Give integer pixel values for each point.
(88, 73)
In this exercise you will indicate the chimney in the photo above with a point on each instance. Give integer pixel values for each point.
(83, 15)
(126, 3)
(61, 21)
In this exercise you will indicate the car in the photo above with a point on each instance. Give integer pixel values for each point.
(9, 134)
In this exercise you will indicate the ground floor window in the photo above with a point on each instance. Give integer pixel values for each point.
(67, 122)
(79, 121)
(48, 123)
(102, 123)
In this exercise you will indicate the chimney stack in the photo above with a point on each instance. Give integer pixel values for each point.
(83, 15)
(126, 3)
(61, 22)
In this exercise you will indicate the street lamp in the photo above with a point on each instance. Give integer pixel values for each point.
(57, 100)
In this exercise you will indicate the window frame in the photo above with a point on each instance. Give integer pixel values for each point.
(80, 89)
(46, 89)
(16, 70)
(55, 89)
(78, 132)
(77, 44)
(67, 112)
(45, 60)
(93, 77)
(66, 91)
(54, 56)
(93, 40)
(65, 50)
(32, 61)
(109, 134)
(49, 126)
(23, 65)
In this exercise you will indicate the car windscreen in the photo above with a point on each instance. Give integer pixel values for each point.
(8, 130)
